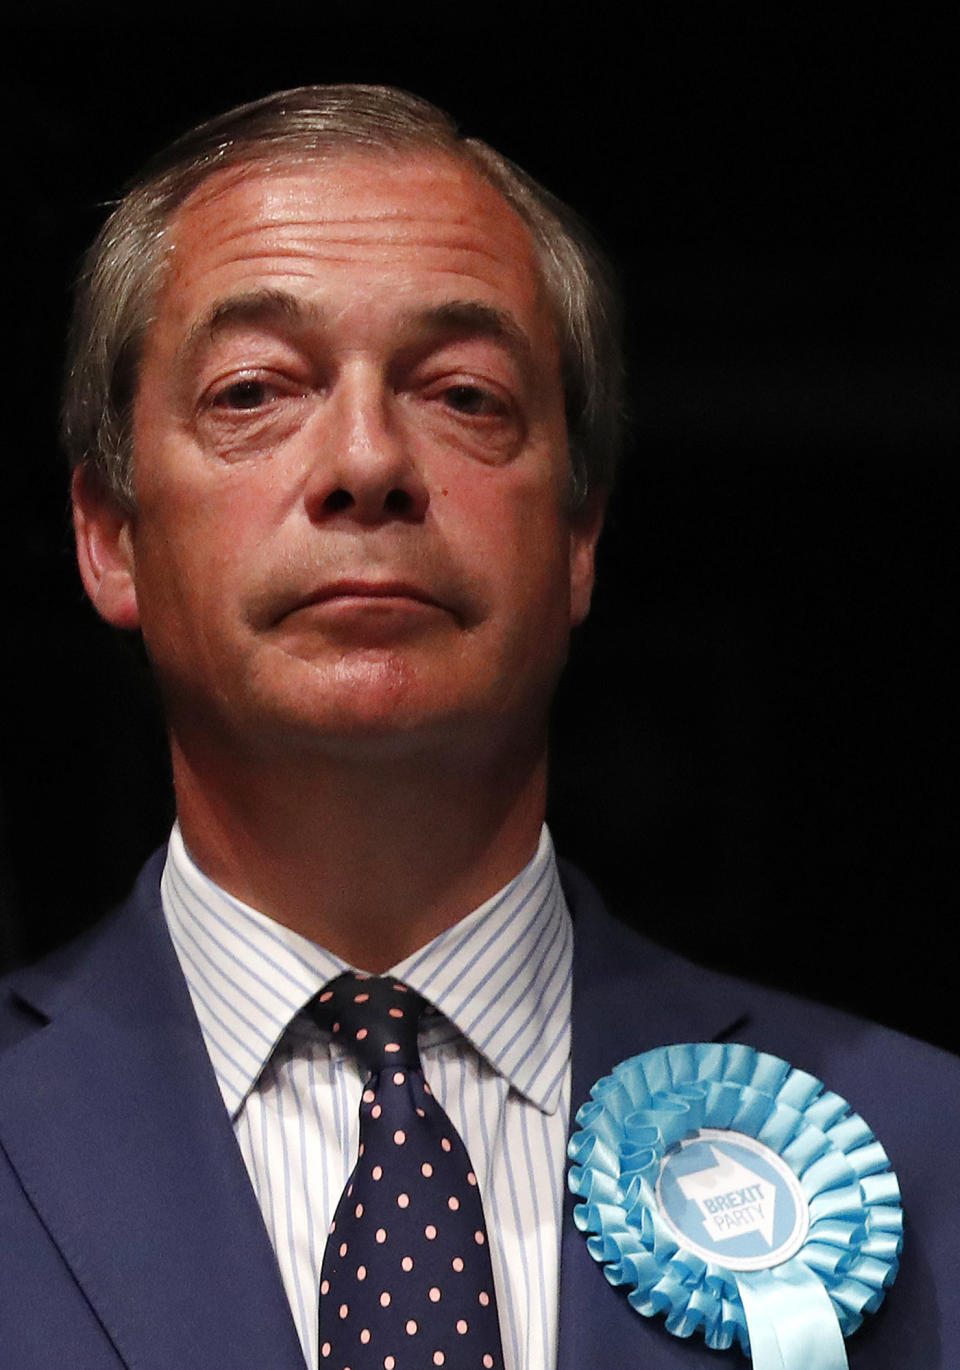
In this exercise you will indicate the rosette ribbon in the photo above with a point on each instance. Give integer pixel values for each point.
(793, 1311)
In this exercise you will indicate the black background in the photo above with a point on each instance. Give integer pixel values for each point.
(755, 746)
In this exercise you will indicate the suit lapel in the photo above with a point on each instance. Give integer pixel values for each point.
(628, 996)
(113, 1119)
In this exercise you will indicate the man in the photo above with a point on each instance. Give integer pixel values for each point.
(342, 409)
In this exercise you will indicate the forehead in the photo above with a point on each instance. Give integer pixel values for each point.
(366, 226)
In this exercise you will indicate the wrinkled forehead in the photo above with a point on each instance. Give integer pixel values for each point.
(427, 207)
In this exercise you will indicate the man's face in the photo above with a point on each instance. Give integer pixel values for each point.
(350, 466)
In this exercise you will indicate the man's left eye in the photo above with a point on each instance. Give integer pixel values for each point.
(473, 400)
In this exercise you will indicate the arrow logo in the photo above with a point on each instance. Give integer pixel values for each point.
(733, 1200)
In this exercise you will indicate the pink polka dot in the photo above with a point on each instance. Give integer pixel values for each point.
(358, 1211)
(325, 1349)
(385, 1299)
(426, 1170)
(403, 1200)
(344, 1310)
(361, 1272)
(426, 1088)
(324, 1286)
(438, 1358)
(483, 1298)
(377, 1172)
(392, 1046)
(388, 1363)
(420, 1113)
(325, 998)
(430, 1232)
(407, 1263)
(453, 1203)
(376, 1111)
(395, 1012)
(411, 1328)
(446, 1143)
(399, 1077)
(435, 1295)
(471, 1178)
(368, 1096)
(399, 1136)
(381, 1235)
(344, 1248)
(488, 1361)
(457, 1263)
(462, 1326)
(360, 998)
(479, 1238)
(365, 1335)
(362, 1034)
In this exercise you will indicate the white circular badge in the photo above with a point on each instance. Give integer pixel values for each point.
(731, 1200)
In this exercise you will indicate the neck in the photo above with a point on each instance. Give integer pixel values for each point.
(369, 861)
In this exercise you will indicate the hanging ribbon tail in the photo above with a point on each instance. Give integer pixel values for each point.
(739, 1199)
(790, 1320)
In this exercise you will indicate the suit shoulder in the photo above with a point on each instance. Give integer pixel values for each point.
(30, 994)
(660, 996)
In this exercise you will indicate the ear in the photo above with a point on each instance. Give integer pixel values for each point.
(104, 535)
(586, 524)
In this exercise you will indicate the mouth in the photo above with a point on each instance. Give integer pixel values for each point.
(358, 591)
(365, 613)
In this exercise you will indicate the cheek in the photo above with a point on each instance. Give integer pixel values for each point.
(522, 553)
(202, 528)
(187, 565)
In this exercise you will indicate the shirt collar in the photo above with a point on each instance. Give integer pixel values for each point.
(501, 976)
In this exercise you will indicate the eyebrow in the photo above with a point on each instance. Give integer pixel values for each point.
(263, 306)
(272, 307)
(471, 318)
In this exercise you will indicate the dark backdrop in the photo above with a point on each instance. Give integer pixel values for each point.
(755, 745)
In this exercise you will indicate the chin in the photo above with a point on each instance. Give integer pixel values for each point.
(353, 704)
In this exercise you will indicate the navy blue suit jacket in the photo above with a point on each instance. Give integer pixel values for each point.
(130, 1235)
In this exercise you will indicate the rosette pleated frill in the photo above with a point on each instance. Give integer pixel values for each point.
(794, 1313)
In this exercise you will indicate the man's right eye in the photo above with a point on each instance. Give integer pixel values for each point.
(244, 394)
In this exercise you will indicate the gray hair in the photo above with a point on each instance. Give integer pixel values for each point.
(123, 271)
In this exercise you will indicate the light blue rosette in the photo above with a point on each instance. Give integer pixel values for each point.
(737, 1197)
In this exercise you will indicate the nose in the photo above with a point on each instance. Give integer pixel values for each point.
(362, 464)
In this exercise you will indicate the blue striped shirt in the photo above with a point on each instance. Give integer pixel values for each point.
(497, 1057)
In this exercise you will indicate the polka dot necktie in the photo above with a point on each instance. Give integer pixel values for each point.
(406, 1282)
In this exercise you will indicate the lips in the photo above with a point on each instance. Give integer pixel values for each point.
(368, 589)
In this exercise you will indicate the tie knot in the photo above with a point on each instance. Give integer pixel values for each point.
(375, 1017)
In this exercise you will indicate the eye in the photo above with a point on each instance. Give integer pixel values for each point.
(473, 400)
(248, 393)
